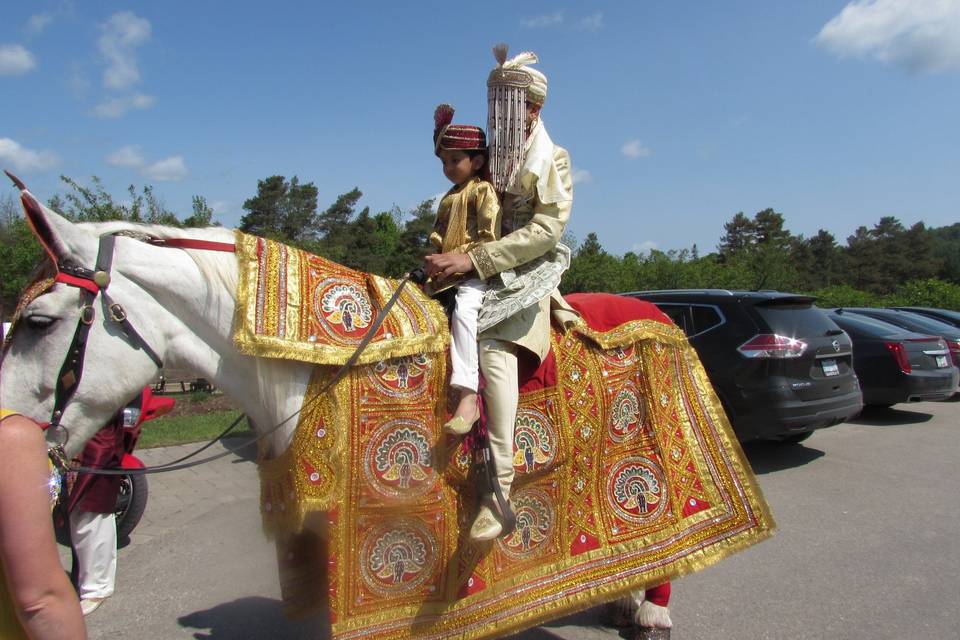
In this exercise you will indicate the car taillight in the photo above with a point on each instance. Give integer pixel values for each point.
(900, 355)
(955, 351)
(770, 345)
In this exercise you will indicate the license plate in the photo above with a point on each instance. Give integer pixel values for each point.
(941, 362)
(830, 367)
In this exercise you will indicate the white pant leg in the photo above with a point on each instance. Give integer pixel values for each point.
(463, 329)
(94, 537)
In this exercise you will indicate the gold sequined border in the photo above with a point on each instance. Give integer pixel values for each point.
(423, 327)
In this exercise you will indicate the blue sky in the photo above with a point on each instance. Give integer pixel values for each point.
(677, 114)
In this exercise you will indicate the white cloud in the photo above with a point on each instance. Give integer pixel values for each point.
(591, 23)
(219, 207)
(635, 149)
(116, 107)
(539, 22)
(23, 159)
(38, 22)
(645, 247)
(15, 60)
(122, 34)
(168, 169)
(920, 35)
(128, 156)
(581, 176)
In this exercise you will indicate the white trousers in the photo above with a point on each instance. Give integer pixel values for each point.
(94, 537)
(463, 330)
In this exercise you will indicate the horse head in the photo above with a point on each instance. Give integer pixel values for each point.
(143, 281)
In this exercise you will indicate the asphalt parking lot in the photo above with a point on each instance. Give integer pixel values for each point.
(867, 547)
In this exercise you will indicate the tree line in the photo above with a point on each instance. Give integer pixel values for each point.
(885, 264)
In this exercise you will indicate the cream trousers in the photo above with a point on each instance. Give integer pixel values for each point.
(463, 330)
(498, 361)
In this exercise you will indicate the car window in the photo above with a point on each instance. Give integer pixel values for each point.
(704, 318)
(865, 325)
(946, 313)
(795, 319)
(926, 323)
(677, 313)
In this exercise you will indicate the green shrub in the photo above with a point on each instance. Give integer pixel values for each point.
(843, 295)
(926, 293)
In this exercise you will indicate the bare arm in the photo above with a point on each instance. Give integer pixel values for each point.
(45, 602)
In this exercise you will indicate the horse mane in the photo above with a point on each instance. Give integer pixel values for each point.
(214, 265)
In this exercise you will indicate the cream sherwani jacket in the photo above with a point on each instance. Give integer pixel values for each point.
(536, 209)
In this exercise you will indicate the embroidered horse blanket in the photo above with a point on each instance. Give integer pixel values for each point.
(628, 474)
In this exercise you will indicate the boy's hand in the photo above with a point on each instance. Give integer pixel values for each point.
(444, 265)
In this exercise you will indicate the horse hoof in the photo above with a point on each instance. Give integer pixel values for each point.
(650, 633)
(485, 525)
(618, 614)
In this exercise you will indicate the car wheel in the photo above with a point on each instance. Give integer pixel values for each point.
(131, 503)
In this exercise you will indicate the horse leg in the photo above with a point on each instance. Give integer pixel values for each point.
(647, 610)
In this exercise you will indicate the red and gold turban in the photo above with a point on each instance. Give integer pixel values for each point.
(461, 137)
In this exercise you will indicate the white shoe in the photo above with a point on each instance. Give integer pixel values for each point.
(89, 605)
(486, 526)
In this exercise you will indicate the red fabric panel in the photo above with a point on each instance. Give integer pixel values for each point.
(606, 311)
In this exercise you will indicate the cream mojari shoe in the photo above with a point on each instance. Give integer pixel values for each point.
(458, 426)
(89, 605)
(486, 526)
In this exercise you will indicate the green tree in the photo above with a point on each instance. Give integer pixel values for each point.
(758, 249)
(281, 210)
(593, 269)
(739, 234)
(202, 215)
(20, 253)
(414, 241)
(334, 228)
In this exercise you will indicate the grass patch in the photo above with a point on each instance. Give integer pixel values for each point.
(168, 431)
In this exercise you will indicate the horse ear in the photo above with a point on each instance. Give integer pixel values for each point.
(59, 237)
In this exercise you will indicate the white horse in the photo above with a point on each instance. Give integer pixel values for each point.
(182, 302)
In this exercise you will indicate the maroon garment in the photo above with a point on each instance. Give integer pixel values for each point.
(96, 493)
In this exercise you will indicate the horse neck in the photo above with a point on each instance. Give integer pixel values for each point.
(201, 299)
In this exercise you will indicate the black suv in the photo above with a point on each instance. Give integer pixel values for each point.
(781, 367)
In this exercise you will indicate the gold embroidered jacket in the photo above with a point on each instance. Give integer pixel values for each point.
(467, 217)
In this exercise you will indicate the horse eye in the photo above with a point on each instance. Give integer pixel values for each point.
(39, 322)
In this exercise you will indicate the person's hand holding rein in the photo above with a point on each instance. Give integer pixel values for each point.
(444, 265)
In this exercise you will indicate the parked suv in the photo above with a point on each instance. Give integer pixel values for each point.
(781, 367)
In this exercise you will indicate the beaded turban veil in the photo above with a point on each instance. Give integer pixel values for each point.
(511, 84)
(460, 137)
